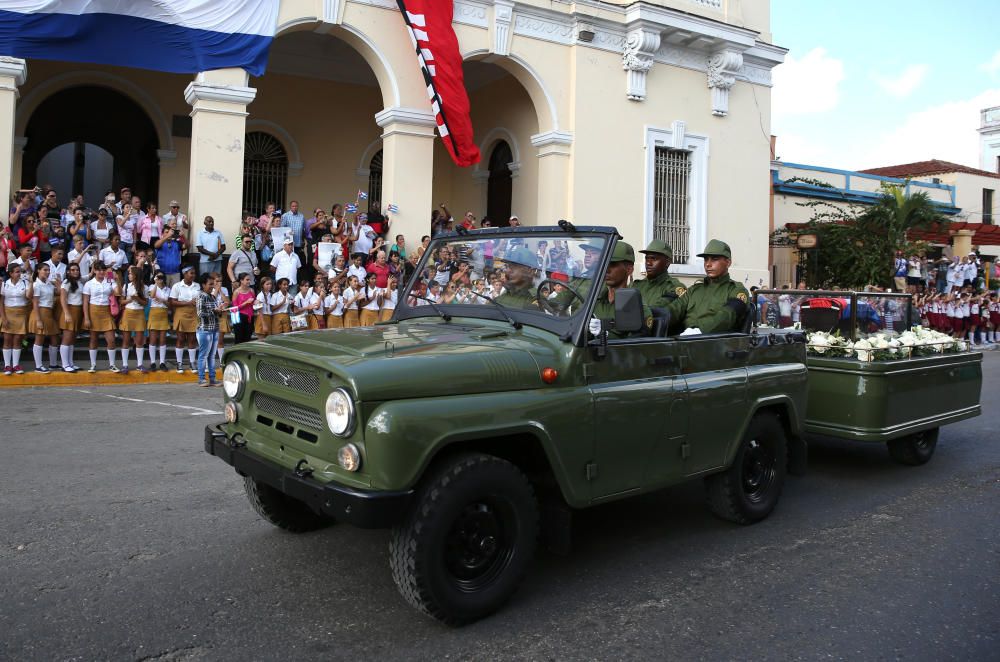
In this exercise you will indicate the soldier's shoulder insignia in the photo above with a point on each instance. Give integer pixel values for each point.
(742, 296)
(649, 322)
(680, 291)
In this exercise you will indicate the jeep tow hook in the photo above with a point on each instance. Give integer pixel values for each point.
(302, 469)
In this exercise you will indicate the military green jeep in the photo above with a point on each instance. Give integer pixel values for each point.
(477, 419)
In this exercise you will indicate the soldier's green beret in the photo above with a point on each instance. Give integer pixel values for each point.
(522, 255)
(623, 253)
(659, 247)
(717, 248)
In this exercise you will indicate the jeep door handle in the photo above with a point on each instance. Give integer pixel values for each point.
(737, 353)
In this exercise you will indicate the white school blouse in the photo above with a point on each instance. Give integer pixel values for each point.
(99, 291)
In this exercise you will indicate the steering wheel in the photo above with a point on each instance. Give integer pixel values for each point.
(548, 306)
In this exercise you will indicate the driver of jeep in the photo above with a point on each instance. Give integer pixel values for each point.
(522, 264)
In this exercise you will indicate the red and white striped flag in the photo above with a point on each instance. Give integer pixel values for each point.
(429, 24)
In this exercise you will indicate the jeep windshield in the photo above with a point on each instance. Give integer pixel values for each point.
(536, 276)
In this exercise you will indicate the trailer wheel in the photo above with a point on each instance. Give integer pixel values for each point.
(749, 489)
(468, 540)
(282, 510)
(914, 449)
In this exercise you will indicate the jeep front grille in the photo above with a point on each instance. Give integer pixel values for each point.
(290, 411)
(298, 380)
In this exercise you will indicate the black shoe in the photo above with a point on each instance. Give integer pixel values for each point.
(163, 367)
(152, 367)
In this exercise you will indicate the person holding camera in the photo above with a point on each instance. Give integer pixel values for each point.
(168, 253)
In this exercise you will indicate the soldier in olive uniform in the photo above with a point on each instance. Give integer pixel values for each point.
(659, 288)
(582, 283)
(617, 276)
(521, 266)
(715, 304)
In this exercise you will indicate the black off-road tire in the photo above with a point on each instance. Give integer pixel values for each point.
(467, 542)
(282, 510)
(749, 490)
(914, 449)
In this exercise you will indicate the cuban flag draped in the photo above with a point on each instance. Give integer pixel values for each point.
(177, 36)
(429, 24)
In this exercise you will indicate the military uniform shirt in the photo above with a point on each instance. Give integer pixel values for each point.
(605, 310)
(659, 291)
(712, 305)
(517, 298)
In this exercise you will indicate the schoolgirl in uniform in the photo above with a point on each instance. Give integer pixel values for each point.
(994, 311)
(71, 320)
(43, 321)
(334, 306)
(97, 293)
(281, 301)
(351, 295)
(15, 293)
(133, 298)
(973, 321)
(183, 299)
(389, 297)
(159, 322)
(262, 309)
(305, 303)
(371, 301)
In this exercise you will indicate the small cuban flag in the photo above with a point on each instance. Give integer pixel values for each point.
(351, 208)
(362, 195)
(392, 209)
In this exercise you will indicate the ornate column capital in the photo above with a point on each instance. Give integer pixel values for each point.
(723, 66)
(641, 45)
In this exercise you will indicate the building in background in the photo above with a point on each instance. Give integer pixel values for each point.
(650, 116)
(989, 139)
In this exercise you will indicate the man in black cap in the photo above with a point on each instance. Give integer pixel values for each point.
(659, 288)
(715, 304)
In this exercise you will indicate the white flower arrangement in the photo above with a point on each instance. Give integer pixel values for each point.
(883, 346)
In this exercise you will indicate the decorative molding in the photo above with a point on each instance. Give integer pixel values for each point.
(470, 13)
(714, 4)
(722, 69)
(237, 95)
(167, 157)
(398, 115)
(552, 138)
(503, 14)
(637, 59)
(333, 11)
(560, 29)
(14, 67)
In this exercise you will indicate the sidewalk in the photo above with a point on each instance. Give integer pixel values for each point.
(103, 376)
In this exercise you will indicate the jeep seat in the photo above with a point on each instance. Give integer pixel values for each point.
(661, 322)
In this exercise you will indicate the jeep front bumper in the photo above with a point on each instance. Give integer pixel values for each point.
(369, 509)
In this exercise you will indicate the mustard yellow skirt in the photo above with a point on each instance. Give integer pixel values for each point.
(335, 321)
(100, 318)
(49, 326)
(368, 317)
(158, 320)
(281, 323)
(133, 320)
(386, 314)
(351, 319)
(225, 326)
(57, 310)
(75, 322)
(17, 320)
(262, 325)
(185, 320)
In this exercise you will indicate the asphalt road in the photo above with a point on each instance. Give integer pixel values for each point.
(124, 540)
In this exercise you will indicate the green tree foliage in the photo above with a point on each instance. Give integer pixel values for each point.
(857, 242)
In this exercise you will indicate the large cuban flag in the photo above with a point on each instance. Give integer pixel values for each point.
(179, 36)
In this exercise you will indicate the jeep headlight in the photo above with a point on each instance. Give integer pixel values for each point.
(234, 379)
(340, 412)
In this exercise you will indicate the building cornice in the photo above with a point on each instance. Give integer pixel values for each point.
(14, 67)
(399, 115)
(234, 94)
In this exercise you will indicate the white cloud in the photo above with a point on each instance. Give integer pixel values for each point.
(946, 132)
(807, 85)
(993, 66)
(905, 83)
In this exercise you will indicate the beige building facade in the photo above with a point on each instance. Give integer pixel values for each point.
(652, 117)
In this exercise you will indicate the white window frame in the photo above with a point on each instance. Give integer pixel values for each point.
(677, 137)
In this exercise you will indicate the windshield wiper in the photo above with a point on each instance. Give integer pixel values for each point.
(445, 316)
(503, 310)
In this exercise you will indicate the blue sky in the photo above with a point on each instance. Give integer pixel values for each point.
(882, 82)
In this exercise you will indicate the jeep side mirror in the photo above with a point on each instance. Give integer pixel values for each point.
(628, 311)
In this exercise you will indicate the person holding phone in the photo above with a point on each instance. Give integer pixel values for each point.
(168, 253)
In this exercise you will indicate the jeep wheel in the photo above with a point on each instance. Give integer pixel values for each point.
(914, 449)
(282, 510)
(466, 545)
(748, 490)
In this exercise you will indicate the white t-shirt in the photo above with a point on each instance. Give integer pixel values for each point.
(183, 293)
(389, 298)
(132, 305)
(372, 295)
(85, 262)
(280, 302)
(44, 292)
(263, 303)
(348, 295)
(101, 234)
(99, 291)
(56, 270)
(73, 298)
(14, 293)
(358, 271)
(158, 296)
(309, 299)
(286, 265)
(112, 258)
(366, 239)
(334, 304)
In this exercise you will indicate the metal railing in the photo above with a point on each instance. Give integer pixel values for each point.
(671, 184)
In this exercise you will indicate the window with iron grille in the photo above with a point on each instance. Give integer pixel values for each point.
(671, 184)
(375, 177)
(988, 206)
(265, 172)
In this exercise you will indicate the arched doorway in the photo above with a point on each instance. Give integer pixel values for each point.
(110, 123)
(375, 177)
(265, 172)
(499, 187)
(78, 167)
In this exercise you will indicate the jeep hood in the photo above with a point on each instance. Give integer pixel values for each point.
(422, 359)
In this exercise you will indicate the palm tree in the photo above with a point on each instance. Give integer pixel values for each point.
(900, 213)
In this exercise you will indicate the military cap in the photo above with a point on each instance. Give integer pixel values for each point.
(592, 247)
(717, 248)
(623, 253)
(659, 247)
(522, 255)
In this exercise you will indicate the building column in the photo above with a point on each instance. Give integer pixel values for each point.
(408, 169)
(13, 72)
(219, 102)
(554, 152)
(962, 242)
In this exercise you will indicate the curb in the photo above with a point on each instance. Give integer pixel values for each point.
(104, 377)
